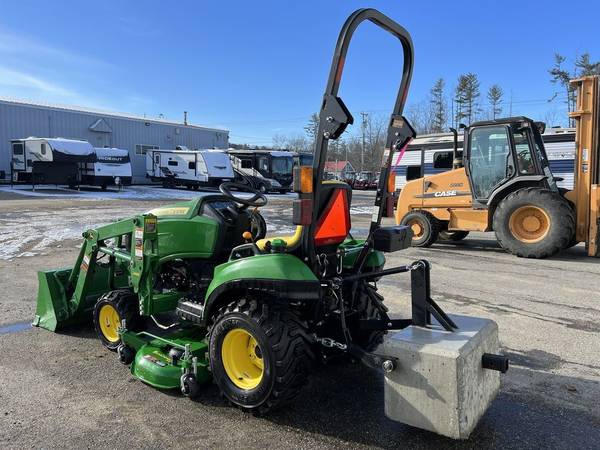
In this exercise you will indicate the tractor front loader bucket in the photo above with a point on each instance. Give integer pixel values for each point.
(52, 311)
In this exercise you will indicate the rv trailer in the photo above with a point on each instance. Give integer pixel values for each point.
(189, 168)
(111, 166)
(49, 160)
(265, 170)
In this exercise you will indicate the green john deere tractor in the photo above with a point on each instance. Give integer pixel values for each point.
(194, 290)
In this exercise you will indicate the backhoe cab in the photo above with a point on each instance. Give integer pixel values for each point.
(501, 181)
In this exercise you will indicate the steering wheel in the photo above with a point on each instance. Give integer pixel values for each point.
(258, 200)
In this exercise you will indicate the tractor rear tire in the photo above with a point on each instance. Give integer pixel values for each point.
(110, 310)
(453, 236)
(369, 306)
(260, 356)
(425, 227)
(534, 223)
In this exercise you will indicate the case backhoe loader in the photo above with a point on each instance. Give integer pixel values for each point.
(502, 182)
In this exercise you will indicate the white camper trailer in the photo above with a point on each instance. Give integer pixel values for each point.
(68, 161)
(190, 168)
(111, 166)
(49, 160)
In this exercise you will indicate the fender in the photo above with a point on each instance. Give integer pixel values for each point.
(280, 275)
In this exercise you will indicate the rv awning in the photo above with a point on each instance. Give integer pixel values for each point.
(71, 150)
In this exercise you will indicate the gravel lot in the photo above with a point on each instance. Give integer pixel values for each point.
(65, 390)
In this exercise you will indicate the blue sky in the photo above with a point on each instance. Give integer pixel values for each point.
(259, 68)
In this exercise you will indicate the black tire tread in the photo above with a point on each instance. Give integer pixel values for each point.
(453, 236)
(434, 226)
(369, 306)
(126, 304)
(290, 343)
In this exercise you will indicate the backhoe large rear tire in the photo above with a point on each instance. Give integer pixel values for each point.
(425, 228)
(260, 356)
(110, 310)
(534, 223)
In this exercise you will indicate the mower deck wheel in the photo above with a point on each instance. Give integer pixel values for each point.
(189, 385)
(126, 354)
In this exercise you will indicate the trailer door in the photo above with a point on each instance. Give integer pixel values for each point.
(18, 156)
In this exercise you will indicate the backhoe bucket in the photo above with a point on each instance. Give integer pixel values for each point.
(52, 310)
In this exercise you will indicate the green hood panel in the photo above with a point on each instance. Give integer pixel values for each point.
(279, 266)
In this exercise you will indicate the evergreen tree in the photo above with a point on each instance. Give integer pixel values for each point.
(467, 97)
(586, 66)
(561, 77)
(438, 107)
(494, 96)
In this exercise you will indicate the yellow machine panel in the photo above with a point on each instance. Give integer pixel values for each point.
(447, 196)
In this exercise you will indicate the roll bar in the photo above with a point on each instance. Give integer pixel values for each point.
(334, 117)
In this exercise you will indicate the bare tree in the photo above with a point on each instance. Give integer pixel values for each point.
(494, 96)
(419, 115)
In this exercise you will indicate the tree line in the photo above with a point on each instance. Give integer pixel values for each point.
(436, 113)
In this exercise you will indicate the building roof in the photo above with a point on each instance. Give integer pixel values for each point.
(336, 166)
(99, 112)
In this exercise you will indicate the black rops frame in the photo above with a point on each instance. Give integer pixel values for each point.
(334, 117)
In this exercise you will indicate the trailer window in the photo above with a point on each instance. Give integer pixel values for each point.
(172, 163)
(442, 160)
(263, 164)
(43, 149)
(141, 149)
(246, 164)
(413, 172)
(17, 149)
(192, 165)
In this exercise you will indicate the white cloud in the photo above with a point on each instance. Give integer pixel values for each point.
(13, 44)
(14, 78)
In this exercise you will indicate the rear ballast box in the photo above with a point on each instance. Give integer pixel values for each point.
(439, 383)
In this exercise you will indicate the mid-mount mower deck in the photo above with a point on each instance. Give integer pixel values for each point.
(194, 291)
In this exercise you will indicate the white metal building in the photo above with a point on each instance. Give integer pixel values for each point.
(137, 134)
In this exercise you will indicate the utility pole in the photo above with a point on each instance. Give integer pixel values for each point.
(362, 149)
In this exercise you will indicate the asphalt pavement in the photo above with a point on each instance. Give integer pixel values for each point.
(64, 390)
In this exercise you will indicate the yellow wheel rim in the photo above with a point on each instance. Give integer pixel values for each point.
(417, 228)
(242, 359)
(529, 224)
(109, 322)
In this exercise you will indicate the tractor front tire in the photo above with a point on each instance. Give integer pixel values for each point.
(453, 236)
(425, 228)
(260, 356)
(110, 310)
(534, 223)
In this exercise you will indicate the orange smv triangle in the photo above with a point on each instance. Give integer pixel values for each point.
(334, 225)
